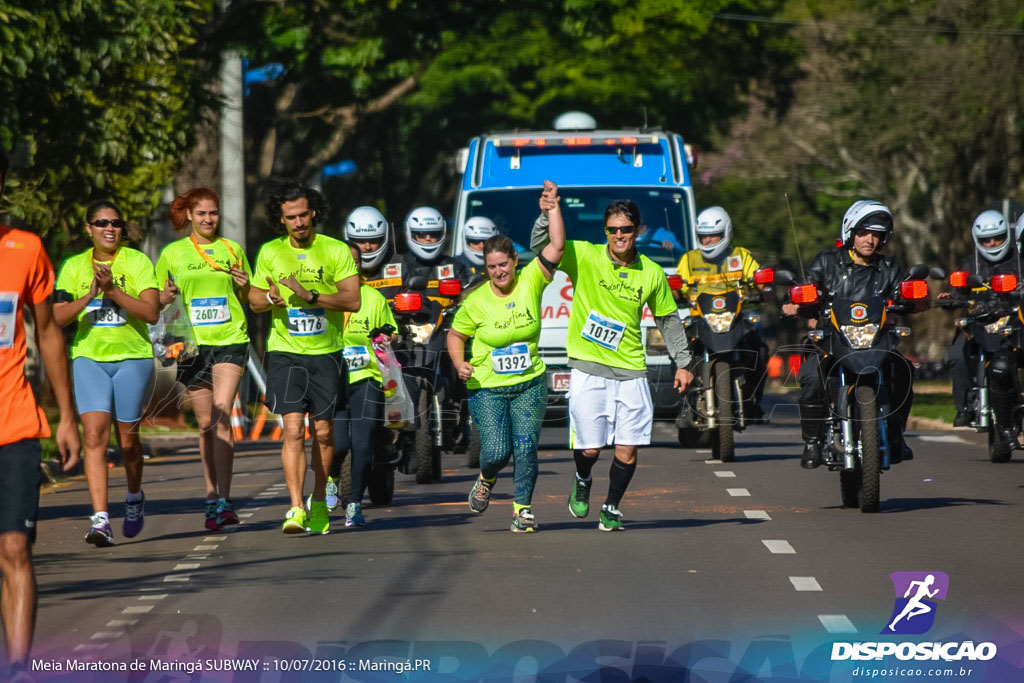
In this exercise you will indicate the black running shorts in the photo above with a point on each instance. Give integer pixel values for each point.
(19, 486)
(305, 384)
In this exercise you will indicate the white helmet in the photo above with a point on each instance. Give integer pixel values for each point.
(367, 223)
(1019, 229)
(867, 213)
(715, 221)
(425, 219)
(991, 224)
(477, 228)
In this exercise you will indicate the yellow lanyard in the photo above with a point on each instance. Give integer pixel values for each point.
(209, 259)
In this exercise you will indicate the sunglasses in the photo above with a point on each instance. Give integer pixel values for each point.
(624, 229)
(104, 222)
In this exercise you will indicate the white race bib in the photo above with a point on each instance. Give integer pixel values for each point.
(606, 332)
(357, 357)
(306, 322)
(8, 318)
(211, 310)
(105, 313)
(511, 360)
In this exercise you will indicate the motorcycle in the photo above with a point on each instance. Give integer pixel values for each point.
(441, 417)
(717, 325)
(858, 335)
(993, 323)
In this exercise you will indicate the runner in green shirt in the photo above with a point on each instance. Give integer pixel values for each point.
(311, 281)
(111, 292)
(609, 399)
(359, 428)
(212, 275)
(505, 376)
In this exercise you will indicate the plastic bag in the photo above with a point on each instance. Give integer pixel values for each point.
(172, 336)
(398, 409)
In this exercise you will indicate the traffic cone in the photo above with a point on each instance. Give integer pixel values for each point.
(237, 419)
(307, 425)
(259, 422)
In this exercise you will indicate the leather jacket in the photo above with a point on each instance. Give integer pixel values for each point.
(834, 271)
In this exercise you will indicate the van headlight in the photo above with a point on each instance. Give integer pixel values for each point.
(421, 333)
(860, 336)
(720, 322)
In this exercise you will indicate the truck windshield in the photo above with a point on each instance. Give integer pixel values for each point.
(663, 211)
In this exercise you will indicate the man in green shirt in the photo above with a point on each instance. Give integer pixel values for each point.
(311, 282)
(609, 399)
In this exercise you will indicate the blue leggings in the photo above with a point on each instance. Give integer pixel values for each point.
(117, 387)
(509, 421)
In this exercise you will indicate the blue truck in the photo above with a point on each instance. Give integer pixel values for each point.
(502, 177)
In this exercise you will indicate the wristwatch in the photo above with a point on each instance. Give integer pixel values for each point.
(316, 296)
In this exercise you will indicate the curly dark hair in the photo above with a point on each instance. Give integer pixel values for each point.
(289, 192)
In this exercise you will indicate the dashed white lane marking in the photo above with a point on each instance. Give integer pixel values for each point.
(756, 514)
(106, 635)
(805, 583)
(837, 623)
(256, 509)
(713, 461)
(206, 547)
(779, 547)
(90, 647)
(241, 474)
(210, 539)
(156, 596)
(725, 474)
(703, 450)
(944, 438)
(244, 515)
(115, 623)
(267, 494)
(185, 565)
(738, 492)
(137, 609)
(181, 578)
(195, 556)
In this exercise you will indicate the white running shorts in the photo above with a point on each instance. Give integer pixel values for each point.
(604, 412)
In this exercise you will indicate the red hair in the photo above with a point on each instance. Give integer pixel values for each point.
(186, 202)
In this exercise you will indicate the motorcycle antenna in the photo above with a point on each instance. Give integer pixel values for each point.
(796, 239)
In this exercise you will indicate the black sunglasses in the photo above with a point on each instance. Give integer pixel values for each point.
(104, 222)
(624, 229)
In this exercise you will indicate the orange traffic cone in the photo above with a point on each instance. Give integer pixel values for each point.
(259, 422)
(237, 419)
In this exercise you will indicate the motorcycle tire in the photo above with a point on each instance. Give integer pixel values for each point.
(849, 486)
(994, 454)
(345, 482)
(381, 485)
(866, 416)
(722, 438)
(473, 449)
(425, 451)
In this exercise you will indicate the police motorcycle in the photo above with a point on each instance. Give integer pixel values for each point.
(993, 322)
(429, 376)
(858, 335)
(716, 325)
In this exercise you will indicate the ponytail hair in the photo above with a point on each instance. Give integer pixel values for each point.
(184, 203)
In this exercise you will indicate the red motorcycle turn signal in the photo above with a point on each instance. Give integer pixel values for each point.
(449, 287)
(408, 302)
(1003, 283)
(958, 278)
(914, 289)
(803, 294)
(764, 276)
(674, 281)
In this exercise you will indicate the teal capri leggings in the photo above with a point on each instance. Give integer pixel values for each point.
(509, 421)
(119, 387)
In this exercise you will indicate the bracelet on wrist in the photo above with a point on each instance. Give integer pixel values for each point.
(269, 300)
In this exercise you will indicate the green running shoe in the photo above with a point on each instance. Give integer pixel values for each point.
(523, 522)
(319, 521)
(295, 521)
(611, 519)
(579, 497)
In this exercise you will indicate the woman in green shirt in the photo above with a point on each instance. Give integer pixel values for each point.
(505, 375)
(110, 291)
(212, 274)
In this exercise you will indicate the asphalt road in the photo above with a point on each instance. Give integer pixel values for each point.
(744, 571)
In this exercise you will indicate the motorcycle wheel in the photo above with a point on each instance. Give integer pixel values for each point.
(381, 485)
(994, 455)
(849, 486)
(870, 465)
(722, 439)
(473, 449)
(425, 451)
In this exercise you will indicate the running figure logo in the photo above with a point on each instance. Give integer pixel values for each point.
(914, 610)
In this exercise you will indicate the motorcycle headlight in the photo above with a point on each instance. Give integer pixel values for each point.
(994, 328)
(720, 322)
(421, 333)
(860, 336)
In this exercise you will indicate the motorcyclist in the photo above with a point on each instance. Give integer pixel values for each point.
(855, 270)
(717, 265)
(476, 231)
(995, 254)
(379, 266)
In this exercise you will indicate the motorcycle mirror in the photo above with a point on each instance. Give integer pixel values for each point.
(937, 273)
(917, 272)
(785, 277)
(416, 283)
(974, 280)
